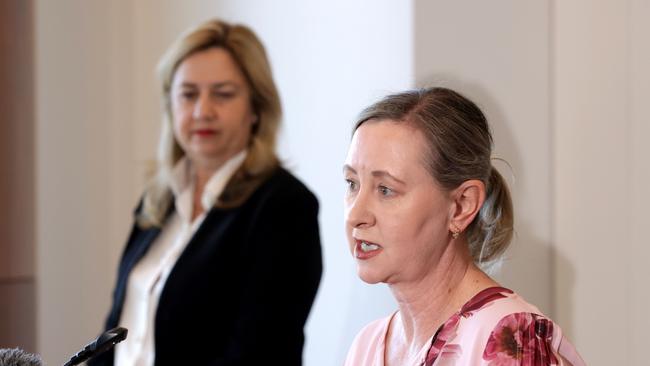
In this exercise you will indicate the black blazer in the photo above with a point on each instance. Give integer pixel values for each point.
(241, 291)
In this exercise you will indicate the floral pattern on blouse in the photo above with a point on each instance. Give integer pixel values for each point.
(496, 327)
(447, 332)
(521, 339)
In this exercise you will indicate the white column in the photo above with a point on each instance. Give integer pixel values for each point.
(84, 166)
(601, 126)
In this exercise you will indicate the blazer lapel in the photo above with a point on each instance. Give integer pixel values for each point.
(140, 248)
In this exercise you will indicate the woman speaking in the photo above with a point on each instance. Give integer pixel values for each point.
(425, 210)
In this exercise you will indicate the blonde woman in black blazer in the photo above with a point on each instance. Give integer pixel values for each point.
(223, 261)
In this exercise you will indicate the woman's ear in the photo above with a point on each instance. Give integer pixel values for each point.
(468, 199)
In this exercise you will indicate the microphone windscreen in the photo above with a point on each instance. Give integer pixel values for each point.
(18, 357)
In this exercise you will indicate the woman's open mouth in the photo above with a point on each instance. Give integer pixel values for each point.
(365, 249)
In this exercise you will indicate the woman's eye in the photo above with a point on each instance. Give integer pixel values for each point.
(188, 95)
(352, 185)
(385, 191)
(223, 95)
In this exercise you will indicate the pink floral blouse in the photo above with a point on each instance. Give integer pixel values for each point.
(494, 328)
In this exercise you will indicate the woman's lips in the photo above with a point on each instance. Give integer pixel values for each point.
(204, 132)
(365, 250)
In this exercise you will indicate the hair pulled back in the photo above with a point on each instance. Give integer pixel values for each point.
(459, 149)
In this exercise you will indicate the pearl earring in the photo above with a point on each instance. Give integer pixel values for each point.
(455, 233)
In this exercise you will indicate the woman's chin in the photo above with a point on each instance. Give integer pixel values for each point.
(368, 276)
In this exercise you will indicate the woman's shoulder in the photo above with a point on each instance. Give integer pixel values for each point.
(491, 308)
(369, 343)
(375, 330)
(509, 328)
(267, 186)
(494, 303)
(284, 178)
(284, 185)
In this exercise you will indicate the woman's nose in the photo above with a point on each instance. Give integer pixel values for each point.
(358, 212)
(203, 109)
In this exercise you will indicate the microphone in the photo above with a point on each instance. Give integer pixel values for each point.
(18, 357)
(103, 343)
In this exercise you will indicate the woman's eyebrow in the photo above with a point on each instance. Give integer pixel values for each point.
(346, 167)
(215, 85)
(383, 173)
(375, 173)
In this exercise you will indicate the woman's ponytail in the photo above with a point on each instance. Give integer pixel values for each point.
(491, 231)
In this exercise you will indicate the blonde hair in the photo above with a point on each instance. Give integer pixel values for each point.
(249, 54)
(460, 147)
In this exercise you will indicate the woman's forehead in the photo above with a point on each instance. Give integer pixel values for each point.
(385, 145)
(213, 65)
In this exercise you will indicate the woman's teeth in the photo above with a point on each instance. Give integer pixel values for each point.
(368, 247)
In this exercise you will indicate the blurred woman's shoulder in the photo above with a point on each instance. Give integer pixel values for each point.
(283, 183)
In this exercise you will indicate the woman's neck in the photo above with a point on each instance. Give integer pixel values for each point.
(202, 175)
(424, 305)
